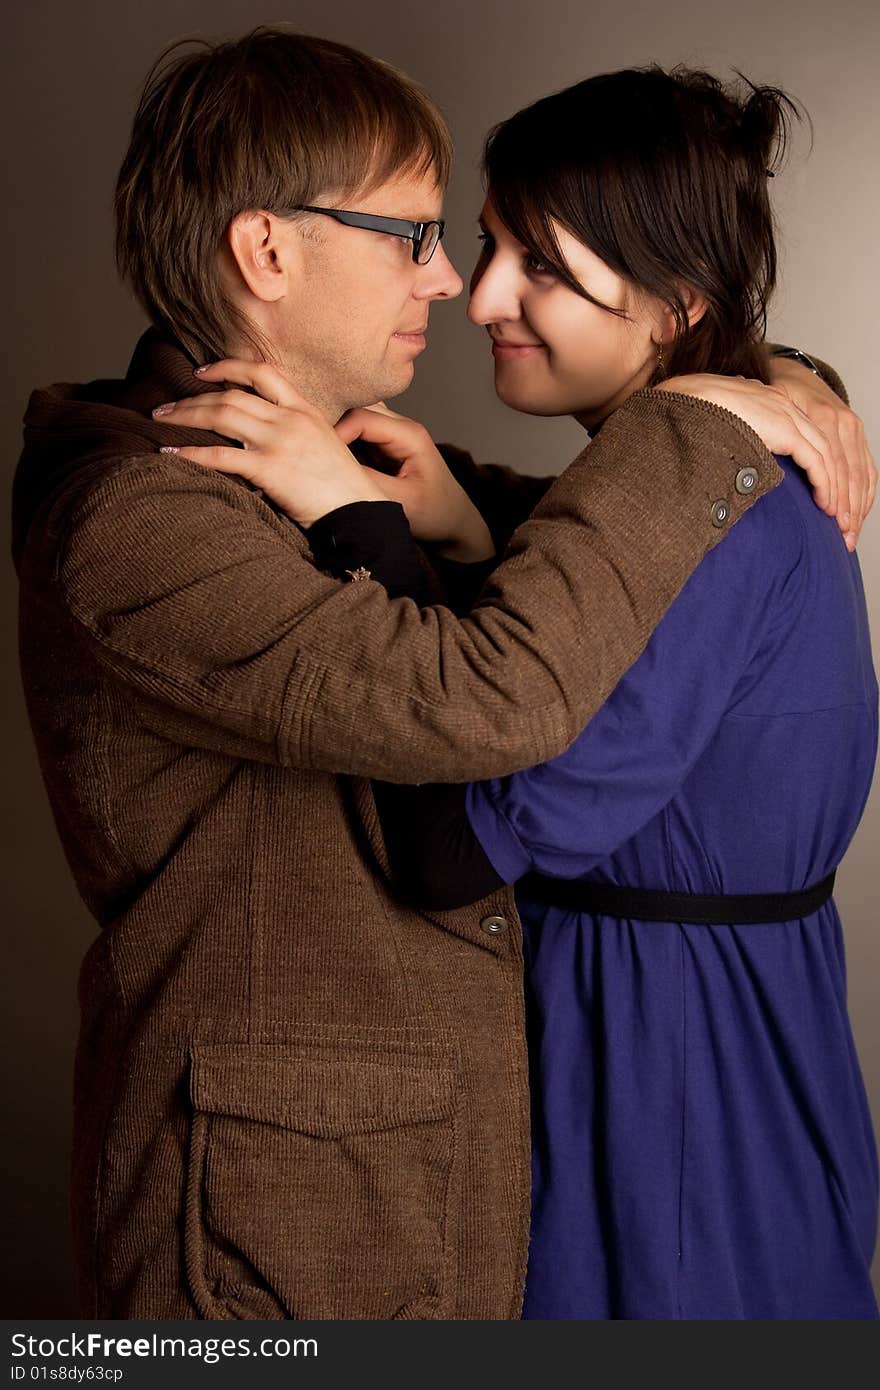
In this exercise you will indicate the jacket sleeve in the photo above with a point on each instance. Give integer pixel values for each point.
(450, 845)
(202, 602)
(564, 818)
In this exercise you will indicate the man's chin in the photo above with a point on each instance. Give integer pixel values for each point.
(394, 383)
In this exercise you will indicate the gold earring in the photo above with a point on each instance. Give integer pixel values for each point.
(660, 368)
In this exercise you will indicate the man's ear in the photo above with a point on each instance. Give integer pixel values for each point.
(261, 249)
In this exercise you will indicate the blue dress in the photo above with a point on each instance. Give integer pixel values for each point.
(702, 1146)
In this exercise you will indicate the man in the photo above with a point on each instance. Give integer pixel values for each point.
(295, 1096)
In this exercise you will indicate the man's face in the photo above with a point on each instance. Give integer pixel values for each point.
(353, 320)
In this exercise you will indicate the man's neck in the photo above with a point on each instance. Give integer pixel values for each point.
(326, 403)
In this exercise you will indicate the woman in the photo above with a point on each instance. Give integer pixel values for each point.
(701, 1142)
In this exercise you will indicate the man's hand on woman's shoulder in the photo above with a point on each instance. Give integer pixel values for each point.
(801, 416)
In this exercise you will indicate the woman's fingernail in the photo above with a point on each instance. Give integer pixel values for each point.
(845, 516)
(169, 449)
(165, 409)
(197, 371)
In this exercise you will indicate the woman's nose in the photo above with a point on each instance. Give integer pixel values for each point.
(493, 296)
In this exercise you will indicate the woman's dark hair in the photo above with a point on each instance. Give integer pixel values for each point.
(664, 175)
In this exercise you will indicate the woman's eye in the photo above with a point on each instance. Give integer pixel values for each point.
(486, 239)
(535, 266)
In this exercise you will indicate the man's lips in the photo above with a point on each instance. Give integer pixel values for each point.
(413, 338)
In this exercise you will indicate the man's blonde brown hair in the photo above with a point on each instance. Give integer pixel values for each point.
(265, 121)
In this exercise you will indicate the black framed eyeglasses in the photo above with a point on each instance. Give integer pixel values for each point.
(425, 236)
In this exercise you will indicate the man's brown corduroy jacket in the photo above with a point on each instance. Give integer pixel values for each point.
(296, 1097)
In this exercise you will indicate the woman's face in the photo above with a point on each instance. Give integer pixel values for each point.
(556, 353)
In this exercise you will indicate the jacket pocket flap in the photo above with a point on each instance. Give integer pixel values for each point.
(325, 1096)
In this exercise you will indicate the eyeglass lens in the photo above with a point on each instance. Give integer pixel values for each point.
(428, 243)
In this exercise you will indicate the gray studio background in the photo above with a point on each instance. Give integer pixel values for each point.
(72, 74)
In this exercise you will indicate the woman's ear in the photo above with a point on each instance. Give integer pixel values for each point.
(695, 304)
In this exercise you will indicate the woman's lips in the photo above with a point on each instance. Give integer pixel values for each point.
(510, 352)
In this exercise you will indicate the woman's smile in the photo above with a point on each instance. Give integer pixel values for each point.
(510, 350)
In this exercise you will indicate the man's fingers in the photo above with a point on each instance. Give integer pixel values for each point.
(827, 472)
(272, 384)
(815, 465)
(810, 451)
(847, 484)
(869, 481)
(856, 473)
(819, 466)
(868, 493)
(857, 468)
(872, 479)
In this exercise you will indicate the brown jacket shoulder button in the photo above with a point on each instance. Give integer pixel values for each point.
(494, 925)
(746, 481)
(720, 512)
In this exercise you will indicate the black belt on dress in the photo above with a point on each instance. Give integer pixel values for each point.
(700, 909)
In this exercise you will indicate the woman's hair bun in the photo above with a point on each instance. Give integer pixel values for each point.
(766, 116)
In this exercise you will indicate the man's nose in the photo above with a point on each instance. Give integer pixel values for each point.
(493, 298)
(439, 279)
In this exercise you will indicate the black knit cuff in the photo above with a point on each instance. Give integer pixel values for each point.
(371, 536)
(462, 583)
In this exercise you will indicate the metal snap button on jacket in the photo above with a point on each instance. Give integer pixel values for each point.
(720, 512)
(746, 480)
(494, 925)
